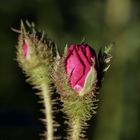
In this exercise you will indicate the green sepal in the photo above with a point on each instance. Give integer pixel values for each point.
(83, 40)
(65, 49)
(90, 81)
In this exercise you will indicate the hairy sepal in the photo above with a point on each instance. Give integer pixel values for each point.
(78, 108)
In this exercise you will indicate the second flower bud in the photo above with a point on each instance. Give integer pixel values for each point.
(80, 63)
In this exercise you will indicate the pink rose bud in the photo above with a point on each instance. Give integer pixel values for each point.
(78, 63)
(26, 49)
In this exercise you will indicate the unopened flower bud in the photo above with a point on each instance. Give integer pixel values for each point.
(80, 65)
(33, 51)
(76, 72)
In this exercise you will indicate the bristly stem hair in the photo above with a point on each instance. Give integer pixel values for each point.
(47, 111)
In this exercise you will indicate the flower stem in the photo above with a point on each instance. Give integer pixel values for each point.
(75, 129)
(48, 111)
(78, 110)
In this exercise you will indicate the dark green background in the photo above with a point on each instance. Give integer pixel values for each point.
(65, 21)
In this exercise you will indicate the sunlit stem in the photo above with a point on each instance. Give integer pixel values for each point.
(48, 112)
(76, 129)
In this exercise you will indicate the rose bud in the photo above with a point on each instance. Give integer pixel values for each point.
(75, 79)
(80, 67)
(33, 52)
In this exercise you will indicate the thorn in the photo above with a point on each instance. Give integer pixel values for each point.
(65, 49)
(57, 52)
(42, 36)
(96, 100)
(107, 60)
(42, 120)
(56, 125)
(33, 24)
(22, 27)
(40, 101)
(16, 30)
(94, 112)
(28, 23)
(105, 70)
(83, 40)
(97, 93)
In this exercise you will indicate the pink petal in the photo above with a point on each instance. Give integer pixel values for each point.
(26, 49)
(77, 63)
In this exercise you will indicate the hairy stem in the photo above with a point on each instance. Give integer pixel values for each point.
(48, 111)
(75, 129)
(78, 110)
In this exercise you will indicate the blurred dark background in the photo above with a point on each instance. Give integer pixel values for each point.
(65, 21)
